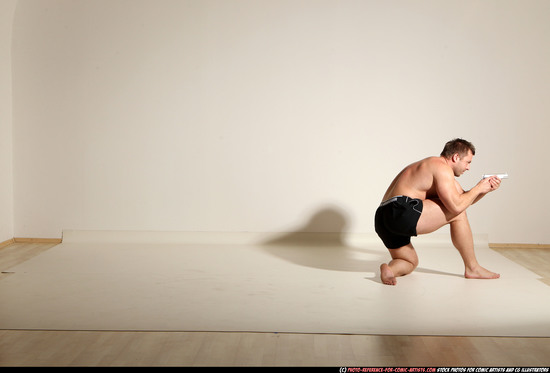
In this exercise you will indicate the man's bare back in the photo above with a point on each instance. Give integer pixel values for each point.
(431, 197)
(416, 180)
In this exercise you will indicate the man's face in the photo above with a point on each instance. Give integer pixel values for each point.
(462, 165)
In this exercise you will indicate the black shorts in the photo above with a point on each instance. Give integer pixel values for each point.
(395, 220)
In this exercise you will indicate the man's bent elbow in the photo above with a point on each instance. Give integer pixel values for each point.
(458, 215)
(456, 211)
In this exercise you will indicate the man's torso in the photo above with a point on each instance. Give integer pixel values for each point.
(416, 180)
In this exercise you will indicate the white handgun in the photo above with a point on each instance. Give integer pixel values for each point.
(500, 176)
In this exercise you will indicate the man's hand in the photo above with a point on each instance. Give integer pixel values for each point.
(489, 184)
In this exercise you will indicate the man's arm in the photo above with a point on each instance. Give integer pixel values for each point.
(479, 197)
(448, 193)
(494, 183)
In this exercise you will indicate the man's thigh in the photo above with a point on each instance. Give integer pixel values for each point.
(434, 216)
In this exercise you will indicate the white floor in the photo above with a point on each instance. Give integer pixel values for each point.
(205, 282)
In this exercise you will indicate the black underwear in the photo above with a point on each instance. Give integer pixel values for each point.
(395, 220)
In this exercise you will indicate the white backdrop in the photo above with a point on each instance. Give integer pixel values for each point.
(7, 9)
(272, 116)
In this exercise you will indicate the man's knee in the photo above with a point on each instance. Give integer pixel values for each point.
(413, 264)
(414, 261)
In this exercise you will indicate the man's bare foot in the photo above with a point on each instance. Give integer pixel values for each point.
(386, 275)
(480, 273)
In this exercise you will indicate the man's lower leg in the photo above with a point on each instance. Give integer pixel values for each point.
(462, 238)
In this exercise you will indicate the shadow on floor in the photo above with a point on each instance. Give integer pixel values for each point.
(321, 243)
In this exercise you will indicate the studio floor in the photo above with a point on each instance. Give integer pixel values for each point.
(274, 339)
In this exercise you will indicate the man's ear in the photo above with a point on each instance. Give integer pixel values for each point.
(456, 157)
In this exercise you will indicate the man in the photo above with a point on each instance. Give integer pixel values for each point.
(424, 197)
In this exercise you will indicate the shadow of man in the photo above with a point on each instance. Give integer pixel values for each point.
(321, 243)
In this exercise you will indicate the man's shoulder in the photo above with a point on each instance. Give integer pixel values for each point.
(433, 162)
(436, 165)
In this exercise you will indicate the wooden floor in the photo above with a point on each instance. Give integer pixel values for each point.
(117, 348)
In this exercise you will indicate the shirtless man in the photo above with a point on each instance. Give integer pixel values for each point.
(424, 197)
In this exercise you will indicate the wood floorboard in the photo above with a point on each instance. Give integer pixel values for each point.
(36, 348)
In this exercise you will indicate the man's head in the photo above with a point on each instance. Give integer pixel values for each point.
(458, 146)
(459, 154)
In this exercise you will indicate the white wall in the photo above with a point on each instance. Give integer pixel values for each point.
(7, 9)
(270, 116)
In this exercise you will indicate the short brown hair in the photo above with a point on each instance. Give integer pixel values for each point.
(459, 146)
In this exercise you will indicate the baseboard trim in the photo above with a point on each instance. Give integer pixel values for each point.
(518, 246)
(7, 243)
(37, 240)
